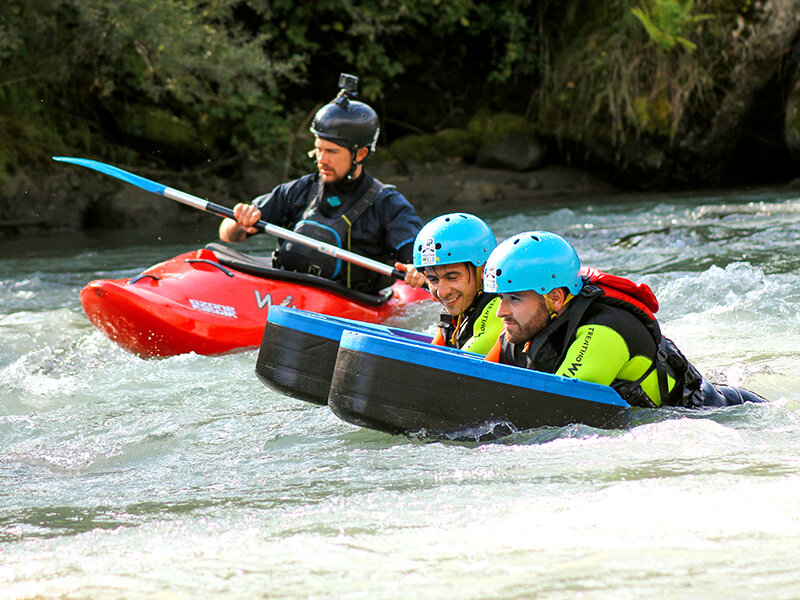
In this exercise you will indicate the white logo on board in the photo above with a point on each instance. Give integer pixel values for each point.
(216, 309)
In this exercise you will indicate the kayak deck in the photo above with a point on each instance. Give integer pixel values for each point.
(216, 300)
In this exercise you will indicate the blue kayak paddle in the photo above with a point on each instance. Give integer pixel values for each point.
(222, 211)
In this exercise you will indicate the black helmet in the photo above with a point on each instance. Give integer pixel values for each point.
(347, 122)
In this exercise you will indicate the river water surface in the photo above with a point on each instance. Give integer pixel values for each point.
(185, 477)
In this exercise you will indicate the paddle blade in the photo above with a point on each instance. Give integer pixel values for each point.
(145, 184)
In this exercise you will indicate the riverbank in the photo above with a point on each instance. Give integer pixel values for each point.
(71, 198)
(437, 188)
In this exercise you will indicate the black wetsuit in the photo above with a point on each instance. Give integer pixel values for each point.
(384, 230)
(604, 341)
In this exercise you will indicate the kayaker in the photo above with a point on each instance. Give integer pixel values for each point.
(340, 204)
(591, 326)
(450, 251)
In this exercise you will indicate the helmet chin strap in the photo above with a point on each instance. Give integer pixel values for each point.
(552, 309)
(355, 164)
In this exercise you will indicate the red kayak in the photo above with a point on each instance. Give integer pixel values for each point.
(216, 299)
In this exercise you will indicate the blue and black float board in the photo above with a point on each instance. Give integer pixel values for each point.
(394, 380)
(398, 386)
(298, 350)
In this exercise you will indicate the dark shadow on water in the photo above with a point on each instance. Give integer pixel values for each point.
(68, 243)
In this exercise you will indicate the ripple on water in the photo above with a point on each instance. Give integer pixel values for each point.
(129, 478)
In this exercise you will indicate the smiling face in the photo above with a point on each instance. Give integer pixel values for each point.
(524, 315)
(454, 286)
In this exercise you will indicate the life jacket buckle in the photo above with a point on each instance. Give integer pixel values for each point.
(661, 354)
(590, 290)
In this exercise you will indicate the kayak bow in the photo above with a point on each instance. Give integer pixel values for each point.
(216, 300)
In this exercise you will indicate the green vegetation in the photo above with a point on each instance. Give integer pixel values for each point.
(209, 82)
(667, 20)
(633, 69)
(74, 70)
(186, 81)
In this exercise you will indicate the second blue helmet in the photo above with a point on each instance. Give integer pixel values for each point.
(534, 260)
(453, 238)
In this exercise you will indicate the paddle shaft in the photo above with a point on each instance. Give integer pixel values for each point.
(286, 234)
(223, 211)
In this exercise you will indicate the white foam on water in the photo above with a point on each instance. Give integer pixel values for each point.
(186, 477)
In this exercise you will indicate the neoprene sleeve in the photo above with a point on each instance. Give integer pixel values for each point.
(485, 330)
(600, 355)
(597, 355)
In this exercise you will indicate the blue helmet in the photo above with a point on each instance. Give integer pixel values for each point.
(453, 238)
(534, 260)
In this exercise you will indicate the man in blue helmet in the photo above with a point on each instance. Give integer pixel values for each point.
(450, 252)
(340, 204)
(590, 326)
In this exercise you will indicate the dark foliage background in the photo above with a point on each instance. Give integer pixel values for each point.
(644, 89)
(191, 81)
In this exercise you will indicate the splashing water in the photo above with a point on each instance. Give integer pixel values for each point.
(186, 477)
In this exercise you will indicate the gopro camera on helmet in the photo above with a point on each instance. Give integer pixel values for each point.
(349, 84)
(347, 122)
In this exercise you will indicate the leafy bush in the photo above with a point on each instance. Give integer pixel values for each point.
(241, 78)
(70, 67)
(667, 21)
(627, 71)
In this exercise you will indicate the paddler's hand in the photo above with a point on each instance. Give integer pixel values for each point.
(247, 215)
(235, 231)
(413, 277)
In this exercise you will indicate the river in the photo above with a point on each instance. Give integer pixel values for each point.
(185, 477)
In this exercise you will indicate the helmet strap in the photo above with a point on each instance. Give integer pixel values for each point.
(550, 308)
(355, 164)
